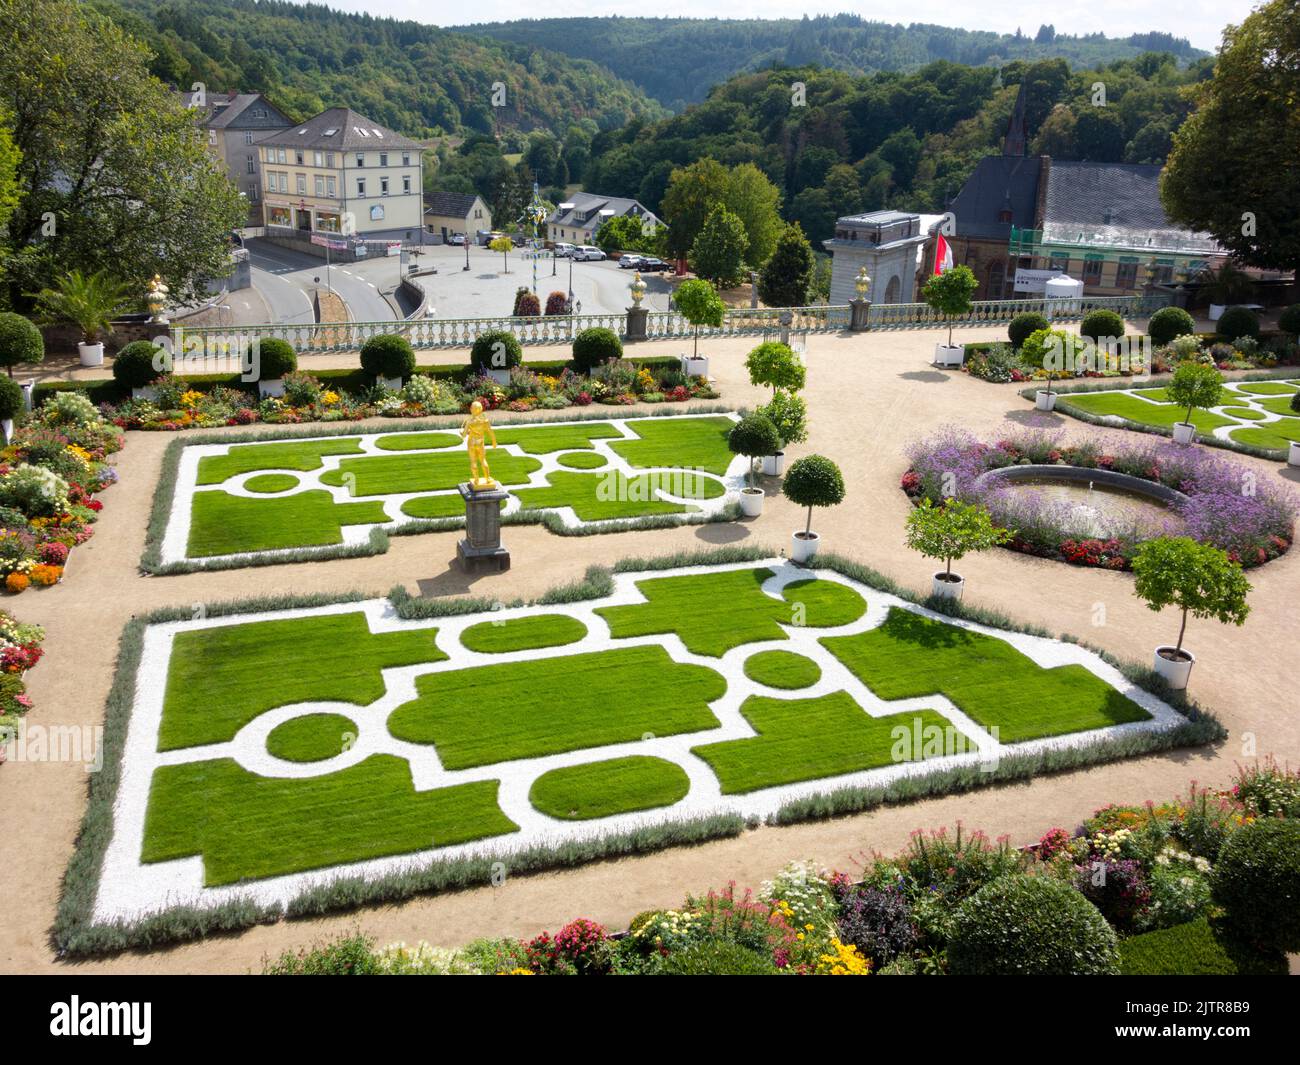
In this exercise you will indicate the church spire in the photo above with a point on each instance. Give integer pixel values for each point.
(1017, 138)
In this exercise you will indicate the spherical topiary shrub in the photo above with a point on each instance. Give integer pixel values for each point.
(1170, 322)
(1295, 403)
(1030, 926)
(11, 398)
(1257, 881)
(591, 347)
(139, 363)
(1024, 324)
(718, 957)
(1289, 320)
(388, 355)
(20, 341)
(1098, 324)
(1238, 322)
(813, 481)
(496, 350)
(276, 358)
(754, 436)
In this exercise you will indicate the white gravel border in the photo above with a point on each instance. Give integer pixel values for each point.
(175, 541)
(130, 889)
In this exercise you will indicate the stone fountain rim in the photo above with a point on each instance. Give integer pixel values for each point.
(1111, 478)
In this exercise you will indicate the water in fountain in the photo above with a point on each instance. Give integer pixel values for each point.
(1102, 511)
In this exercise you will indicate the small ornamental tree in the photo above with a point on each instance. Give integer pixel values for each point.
(718, 254)
(89, 301)
(11, 398)
(1022, 325)
(20, 341)
(497, 349)
(755, 437)
(1195, 386)
(950, 532)
(775, 365)
(388, 355)
(788, 275)
(1168, 323)
(813, 481)
(950, 293)
(1198, 579)
(275, 358)
(789, 413)
(505, 246)
(700, 305)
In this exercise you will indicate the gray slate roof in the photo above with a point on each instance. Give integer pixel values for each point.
(232, 110)
(589, 202)
(997, 182)
(449, 204)
(339, 129)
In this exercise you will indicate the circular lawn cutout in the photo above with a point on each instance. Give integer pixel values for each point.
(271, 482)
(523, 634)
(582, 460)
(601, 789)
(782, 669)
(312, 737)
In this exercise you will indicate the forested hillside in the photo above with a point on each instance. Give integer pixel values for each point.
(678, 60)
(417, 79)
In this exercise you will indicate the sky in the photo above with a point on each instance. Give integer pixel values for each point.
(1200, 21)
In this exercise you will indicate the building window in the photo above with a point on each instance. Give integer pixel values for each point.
(1126, 275)
(383, 158)
(281, 156)
(301, 180)
(406, 158)
(361, 158)
(320, 185)
(248, 137)
(361, 186)
(331, 190)
(278, 216)
(251, 163)
(253, 192)
(1060, 263)
(298, 157)
(1092, 272)
(478, 212)
(329, 159)
(318, 159)
(383, 186)
(406, 185)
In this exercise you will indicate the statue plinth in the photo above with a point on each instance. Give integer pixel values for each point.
(481, 548)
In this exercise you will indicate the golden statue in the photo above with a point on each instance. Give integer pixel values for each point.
(476, 429)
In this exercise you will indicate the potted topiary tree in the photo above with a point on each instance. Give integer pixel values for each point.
(1196, 387)
(495, 353)
(89, 301)
(20, 341)
(139, 364)
(1197, 578)
(789, 413)
(595, 347)
(813, 481)
(11, 405)
(699, 304)
(1022, 325)
(775, 365)
(950, 293)
(949, 533)
(754, 436)
(274, 359)
(389, 358)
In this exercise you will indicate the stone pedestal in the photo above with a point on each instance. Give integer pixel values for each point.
(859, 314)
(636, 323)
(481, 548)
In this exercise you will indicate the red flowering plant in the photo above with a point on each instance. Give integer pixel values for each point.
(583, 944)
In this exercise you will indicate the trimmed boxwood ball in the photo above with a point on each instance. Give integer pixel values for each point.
(11, 398)
(20, 341)
(276, 358)
(1098, 324)
(135, 366)
(1024, 324)
(1257, 882)
(1168, 323)
(754, 436)
(498, 349)
(1289, 320)
(592, 347)
(718, 957)
(1238, 322)
(814, 481)
(388, 355)
(1031, 926)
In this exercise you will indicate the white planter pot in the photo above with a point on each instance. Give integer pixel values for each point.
(949, 354)
(947, 586)
(1175, 672)
(695, 365)
(803, 546)
(273, 387)
(7, 427)
(774, 465)
(1293, 455)
(1045, 400)
(1216, 311)
(147, 393)
(751, 502)
(501, 377)
(91, 354)
(394, 383)
(1184, 432)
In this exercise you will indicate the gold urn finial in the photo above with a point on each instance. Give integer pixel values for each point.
(638, 287)
(862, 283)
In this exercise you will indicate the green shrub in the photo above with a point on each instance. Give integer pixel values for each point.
(754, 436)
(1289, 320)
(1031, 926)
(1024, 324)
(497, 349)
(388, 355)
(1098, 324)
(789, 413)
(1257, 882)
(813, 481)
(1034, 350)
(1295, 403)
(11, 398)
(1170, 322)
(1238, 322)
(20, 341)
(349, 956)
(139, 363)
(1197, 948)
(592, 347)
(276, 358)
(716, 957)
(775, 365)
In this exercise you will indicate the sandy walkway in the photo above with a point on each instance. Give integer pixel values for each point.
(868, 396)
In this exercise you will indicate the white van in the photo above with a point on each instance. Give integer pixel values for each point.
(563, 251)
(588, 252)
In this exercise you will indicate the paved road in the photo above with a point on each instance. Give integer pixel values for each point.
(286, 279)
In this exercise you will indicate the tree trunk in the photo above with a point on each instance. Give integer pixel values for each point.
(808, 528)
(1181, 629)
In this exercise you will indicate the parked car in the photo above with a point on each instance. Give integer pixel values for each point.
(588, 253)
(650, 265)
(628, 261)
(458, 239)
(563, 251)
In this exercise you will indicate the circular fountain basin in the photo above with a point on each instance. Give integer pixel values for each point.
(1103, 503)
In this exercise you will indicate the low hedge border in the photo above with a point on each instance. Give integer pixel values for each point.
(151, 563)
(76, 933)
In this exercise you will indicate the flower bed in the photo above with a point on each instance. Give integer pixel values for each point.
(924, 910)
(49, 475)
(20, 650)
(1252, 521)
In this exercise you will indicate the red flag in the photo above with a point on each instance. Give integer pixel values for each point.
(942, 254)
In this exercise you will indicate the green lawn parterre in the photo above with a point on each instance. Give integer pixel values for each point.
(620, 717)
